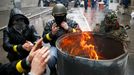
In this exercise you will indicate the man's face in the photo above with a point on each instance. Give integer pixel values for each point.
(59, 18)
(19, 25)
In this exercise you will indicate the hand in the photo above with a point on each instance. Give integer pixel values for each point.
(64, 25)
(39, 61)
(97, 28)
(35, 48)
(54, 29)
(30, 45)
(27, 45)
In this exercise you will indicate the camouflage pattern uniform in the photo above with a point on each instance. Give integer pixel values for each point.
(110, 26)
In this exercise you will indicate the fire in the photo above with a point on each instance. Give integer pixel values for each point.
(88, 48)
(80, 45)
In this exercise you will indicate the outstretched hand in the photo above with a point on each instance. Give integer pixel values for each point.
(35, 48)
(39, 61)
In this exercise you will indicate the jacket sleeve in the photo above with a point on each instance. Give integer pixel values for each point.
(35, 35)
(47, 34)
(14, 68)
(9, 69)
(11, 47)
(6, 43)
(74, 27)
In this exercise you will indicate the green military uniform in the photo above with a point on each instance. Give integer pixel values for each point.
(110, 26)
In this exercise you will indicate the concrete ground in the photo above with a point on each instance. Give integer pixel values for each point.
(87, 22)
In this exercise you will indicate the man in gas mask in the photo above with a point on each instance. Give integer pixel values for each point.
(56, 28)
(19, 37)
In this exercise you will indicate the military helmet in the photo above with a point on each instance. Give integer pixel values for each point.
(59, 9)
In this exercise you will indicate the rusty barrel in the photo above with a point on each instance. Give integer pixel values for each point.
(113, 61)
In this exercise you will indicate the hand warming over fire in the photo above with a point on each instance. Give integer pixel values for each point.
(39, 62)
(27, 45)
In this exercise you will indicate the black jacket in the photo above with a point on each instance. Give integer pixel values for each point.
(14, 40)
(14, 68)
(52, 38)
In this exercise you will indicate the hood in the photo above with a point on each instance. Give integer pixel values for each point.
(16, 14)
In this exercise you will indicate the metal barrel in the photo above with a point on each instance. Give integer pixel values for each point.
(112, 50)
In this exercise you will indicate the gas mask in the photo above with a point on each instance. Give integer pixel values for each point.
(19, 26)
(59, 19)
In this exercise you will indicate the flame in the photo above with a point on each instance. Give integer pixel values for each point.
(88, 48)
(80, 45)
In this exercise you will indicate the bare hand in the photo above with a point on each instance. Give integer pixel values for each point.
(54, 29)
(27, 45)
(39, 61)
(64, 25)
(33, 51)
(30, 45)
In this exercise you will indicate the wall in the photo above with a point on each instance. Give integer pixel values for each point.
(8, 4)
(29, 3)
